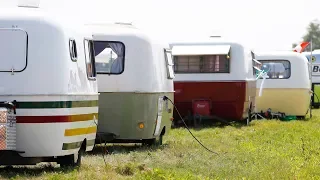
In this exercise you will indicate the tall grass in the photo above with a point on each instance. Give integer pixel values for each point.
(267, 149)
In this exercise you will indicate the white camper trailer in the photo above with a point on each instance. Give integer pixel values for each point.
(215, 78)
(49, 92)
(315, 69)
(287, 89)
(134, 74)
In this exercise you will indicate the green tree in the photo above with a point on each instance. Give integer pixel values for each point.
(313, 32)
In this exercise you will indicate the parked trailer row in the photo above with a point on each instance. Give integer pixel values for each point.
(68, 86)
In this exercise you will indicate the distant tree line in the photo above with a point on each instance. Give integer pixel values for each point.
(313, 32)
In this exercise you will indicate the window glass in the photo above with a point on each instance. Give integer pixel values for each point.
(109, 57)
(279, 69)
(90, 59)
(255, 64)
(73, 50)
(202, 64)
(170, 64)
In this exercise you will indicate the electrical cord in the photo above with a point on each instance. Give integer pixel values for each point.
(166, 98)
(316, 96)
(311, 100)
(103, 149)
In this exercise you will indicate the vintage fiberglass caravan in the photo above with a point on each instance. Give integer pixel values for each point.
(48, 78)
(134, 74)
(214, 78)
(315, 76)
(287, 89)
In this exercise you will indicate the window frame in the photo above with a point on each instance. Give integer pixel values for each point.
(27, 48)
(73, 43)
(201, 57)
(91, 57)
(124, 57)
(274, 61)
(254, 63)
(168, 65)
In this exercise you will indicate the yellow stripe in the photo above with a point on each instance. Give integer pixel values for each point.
(80, 131)
(82, 117)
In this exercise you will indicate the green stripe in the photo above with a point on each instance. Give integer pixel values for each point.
(76, 145)
(56, 104)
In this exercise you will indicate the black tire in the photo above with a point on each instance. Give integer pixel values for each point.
(72, 160)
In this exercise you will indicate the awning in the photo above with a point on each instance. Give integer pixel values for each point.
(200, 50)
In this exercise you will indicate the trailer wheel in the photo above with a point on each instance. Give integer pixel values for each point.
(72, 160)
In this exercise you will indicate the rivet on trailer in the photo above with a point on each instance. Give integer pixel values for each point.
(214, 79)
(134, 73)
(49, 95)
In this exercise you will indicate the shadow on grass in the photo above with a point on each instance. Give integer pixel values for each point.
(31, 171)
(205, 124)
(123, 149)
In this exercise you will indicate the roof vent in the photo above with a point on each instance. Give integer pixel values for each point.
(123, 23)
(215, 36)
(29, 3)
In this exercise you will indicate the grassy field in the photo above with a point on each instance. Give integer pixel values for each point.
(267, 149)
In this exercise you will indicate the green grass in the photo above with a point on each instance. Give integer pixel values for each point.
(267, 149)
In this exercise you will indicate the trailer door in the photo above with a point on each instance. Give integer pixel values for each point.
(13, 50)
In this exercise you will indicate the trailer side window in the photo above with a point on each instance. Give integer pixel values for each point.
(255, 64)
(109, 57)
(276, 69)
(73, 50)
(168, 57)
(202, 64)
(90, 59)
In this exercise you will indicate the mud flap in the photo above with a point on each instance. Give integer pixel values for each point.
(7, 129)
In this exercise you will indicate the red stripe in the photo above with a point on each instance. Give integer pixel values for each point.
(43, 119)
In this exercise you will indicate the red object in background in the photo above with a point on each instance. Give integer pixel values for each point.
(201, 107)
(300, 47)
(229, 100)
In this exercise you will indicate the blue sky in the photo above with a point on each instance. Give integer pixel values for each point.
(259, 24)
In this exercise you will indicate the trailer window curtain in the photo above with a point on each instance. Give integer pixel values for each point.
(202, 64)
(277, 69)
(109, 57)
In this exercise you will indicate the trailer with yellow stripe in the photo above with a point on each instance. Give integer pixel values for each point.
(48, 91)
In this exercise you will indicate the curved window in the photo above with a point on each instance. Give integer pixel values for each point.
(73, 50)
(90, 60)
(276, 69)
(13, 50)
(169, 65)
(255, 64)
(109, 56)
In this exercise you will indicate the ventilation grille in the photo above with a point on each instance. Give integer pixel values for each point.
(7, 130)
